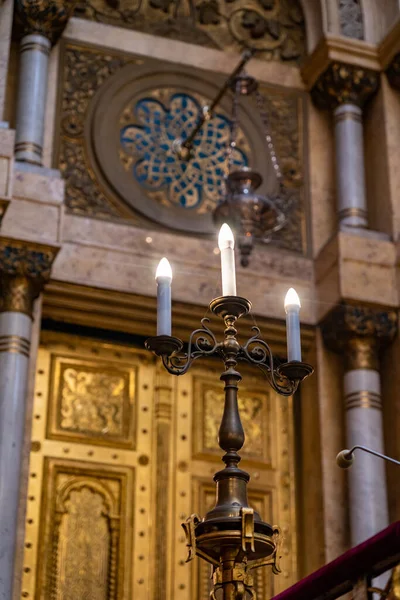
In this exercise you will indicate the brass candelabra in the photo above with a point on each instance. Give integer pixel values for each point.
(232, 537)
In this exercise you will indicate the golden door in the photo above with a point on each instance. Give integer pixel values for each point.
(122, 453)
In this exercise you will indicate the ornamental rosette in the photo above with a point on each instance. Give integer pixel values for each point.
(151, 140)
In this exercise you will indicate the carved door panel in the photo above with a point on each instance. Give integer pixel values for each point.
(88, 528)
(122, 453)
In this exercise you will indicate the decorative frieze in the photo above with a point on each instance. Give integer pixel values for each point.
(343, 83)
(360, 332)
(276, 28)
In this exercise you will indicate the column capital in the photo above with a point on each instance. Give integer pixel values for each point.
(360, 332)
(43, 17)
(342, 70)
(24, 269)
(343, 83)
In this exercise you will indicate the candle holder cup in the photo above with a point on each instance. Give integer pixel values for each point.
(163, 345)
(232, 537)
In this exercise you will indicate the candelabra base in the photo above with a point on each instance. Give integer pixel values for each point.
(228, 533)
(234, 547)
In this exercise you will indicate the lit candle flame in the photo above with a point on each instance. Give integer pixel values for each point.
(225, 237)
(292, 299)
(164, 269)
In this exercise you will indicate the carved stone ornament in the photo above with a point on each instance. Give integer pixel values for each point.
(351, 19)
(24, 269)
(342, 83)
(275, 27)
(360, 332)
(46, 17)
(393, 72)
(120, 117)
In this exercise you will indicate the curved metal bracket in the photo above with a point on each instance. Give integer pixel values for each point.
(284, 379)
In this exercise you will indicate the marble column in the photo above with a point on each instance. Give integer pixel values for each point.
(15, 335)
(6, 19)
(364, 426)
(24, 267)
(350, 170)
(343, 89)
(39, 25)
(32, 94)
(359, 334)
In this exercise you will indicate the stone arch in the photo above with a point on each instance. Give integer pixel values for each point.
(95, 487)
(103, 531)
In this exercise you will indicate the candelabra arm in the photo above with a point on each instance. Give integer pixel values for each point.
(285, 378)
(202, 342)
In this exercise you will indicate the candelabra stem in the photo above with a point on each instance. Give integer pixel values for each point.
(228, 564)
(231, 434)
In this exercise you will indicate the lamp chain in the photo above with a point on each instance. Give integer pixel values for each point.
(260, 103)
(233, 130)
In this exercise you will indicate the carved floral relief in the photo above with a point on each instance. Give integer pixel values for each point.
(92, 402)
(275, 27)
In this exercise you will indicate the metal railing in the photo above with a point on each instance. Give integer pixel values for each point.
(353, 571)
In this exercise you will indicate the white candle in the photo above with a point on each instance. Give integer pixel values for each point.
(164, 278)
(292, 308)
(226, 243)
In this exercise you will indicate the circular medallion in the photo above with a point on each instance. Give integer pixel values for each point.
(138, 118)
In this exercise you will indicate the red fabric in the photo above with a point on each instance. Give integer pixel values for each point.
(372, 557)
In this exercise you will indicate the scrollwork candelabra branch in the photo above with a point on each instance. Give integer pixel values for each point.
(256, 351)
(202, 343)
(284, 378)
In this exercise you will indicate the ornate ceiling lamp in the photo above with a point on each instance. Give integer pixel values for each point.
(252, 216)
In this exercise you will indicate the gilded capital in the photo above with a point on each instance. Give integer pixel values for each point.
(343, 83)
(17, 294)
(24, 269)
(359, 332)
(44, 17)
